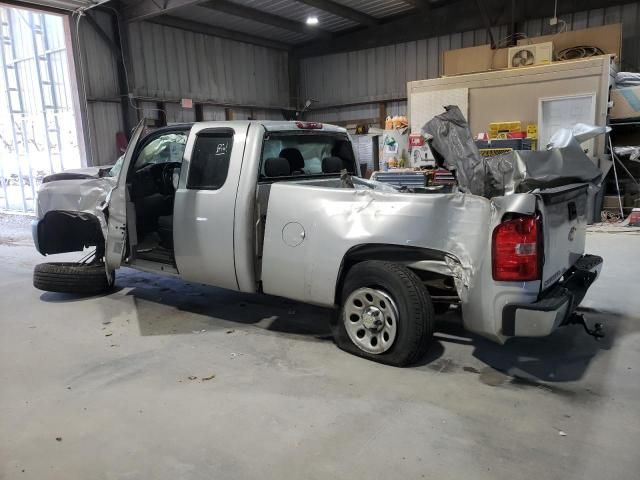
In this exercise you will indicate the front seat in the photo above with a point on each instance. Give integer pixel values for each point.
(295, 159)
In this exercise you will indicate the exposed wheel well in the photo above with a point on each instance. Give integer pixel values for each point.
(62, 231)
(437, 281)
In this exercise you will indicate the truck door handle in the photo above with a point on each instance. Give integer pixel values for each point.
(573, 211)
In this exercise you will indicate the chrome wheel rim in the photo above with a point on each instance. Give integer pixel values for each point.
(371, 320)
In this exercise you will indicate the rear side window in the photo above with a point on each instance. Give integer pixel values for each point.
(210, 160)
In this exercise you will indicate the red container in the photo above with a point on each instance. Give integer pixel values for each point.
(517, 135)
(416, 140)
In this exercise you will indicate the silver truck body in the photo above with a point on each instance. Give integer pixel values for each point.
(295, 237)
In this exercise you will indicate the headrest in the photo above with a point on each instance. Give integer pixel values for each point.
(342, 149)
(332, 165)
(294, 157)
(277, 167)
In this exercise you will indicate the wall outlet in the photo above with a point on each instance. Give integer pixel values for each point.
(553, 21)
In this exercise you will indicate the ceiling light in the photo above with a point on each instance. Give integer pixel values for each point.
(312, 20)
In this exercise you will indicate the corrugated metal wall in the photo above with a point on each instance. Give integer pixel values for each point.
(169, 63)
(381, 74)
(97, 70)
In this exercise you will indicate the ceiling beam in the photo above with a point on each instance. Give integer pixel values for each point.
(443, 18)
(207, 29)
(147, 9)
(418, 3)
(342, 11)
(265, 18)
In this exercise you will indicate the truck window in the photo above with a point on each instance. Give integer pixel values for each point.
(210, 160)
(306, 153)
(163, 149)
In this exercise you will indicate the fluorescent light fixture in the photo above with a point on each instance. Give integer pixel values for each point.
(312, 20)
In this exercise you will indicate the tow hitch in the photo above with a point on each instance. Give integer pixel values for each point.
(578, 319)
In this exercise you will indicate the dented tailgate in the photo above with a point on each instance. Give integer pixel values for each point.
(564, 214)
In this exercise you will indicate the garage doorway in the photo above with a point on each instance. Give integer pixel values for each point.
(38, 129)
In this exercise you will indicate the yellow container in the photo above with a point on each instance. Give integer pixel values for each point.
(497, 128)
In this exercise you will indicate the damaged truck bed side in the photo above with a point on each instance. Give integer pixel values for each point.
(277, 208)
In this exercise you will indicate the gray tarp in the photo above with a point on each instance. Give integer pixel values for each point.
(513, 172)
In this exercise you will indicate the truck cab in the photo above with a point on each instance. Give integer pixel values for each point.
(191, 200)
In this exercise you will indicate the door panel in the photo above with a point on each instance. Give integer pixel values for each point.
(204, 205)
(116, 206)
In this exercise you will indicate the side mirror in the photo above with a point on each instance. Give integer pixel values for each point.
(175, 176)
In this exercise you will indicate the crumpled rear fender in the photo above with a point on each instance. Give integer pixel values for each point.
(310, 230)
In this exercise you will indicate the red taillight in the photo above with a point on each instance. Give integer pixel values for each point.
(309, 125)
(516, 250)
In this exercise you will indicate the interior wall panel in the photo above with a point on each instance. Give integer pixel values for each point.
(170, 64)
(100, 66)
(105, 121)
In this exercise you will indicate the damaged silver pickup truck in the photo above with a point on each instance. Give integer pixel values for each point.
(278, 208)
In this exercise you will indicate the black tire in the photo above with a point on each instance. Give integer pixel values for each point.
(72, 278)
(415, 311)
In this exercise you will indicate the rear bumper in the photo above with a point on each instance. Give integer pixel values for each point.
(555, 306)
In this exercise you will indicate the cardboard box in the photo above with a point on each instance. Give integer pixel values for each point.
(607, 38)
(626, 103)
(482, 58)
(473, 60)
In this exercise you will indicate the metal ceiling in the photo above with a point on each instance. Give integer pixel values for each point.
(276, 20)
(239, 24)
(379, 8)
(299, 11)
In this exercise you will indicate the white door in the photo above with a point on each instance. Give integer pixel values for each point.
(116, 208)
(204, 207)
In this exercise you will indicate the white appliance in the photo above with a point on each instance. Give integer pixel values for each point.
(529, 55)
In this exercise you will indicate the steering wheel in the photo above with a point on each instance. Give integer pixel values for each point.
(165, 179)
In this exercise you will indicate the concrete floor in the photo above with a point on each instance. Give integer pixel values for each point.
(105, 387)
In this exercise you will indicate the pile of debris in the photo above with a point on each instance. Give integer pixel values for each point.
(563, 163)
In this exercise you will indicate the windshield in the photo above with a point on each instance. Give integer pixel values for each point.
(306, 153)
(163, 149)
(115, 170)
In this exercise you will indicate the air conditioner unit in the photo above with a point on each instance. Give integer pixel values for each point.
(529, 55)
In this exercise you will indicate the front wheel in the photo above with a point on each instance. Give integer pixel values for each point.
(386, 314)
(68, 277)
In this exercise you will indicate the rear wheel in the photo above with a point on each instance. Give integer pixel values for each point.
(386, 314)
(67, 277)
